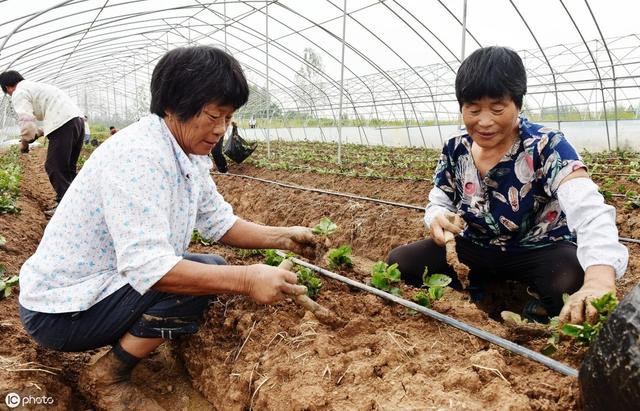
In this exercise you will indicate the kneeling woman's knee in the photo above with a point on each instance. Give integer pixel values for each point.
(410, 270)
(180, 315)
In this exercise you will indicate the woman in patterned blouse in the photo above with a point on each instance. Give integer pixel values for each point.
(521, 200)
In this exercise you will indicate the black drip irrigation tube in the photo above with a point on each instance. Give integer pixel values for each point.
(487, 336)
(356, 197)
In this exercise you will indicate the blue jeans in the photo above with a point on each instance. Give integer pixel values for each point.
(150, 315)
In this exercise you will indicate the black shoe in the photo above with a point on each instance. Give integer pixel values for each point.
(534, 311)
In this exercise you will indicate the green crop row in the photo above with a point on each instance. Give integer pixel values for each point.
(10, 176)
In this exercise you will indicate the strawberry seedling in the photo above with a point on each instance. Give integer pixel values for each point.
(340, 257)
(325, 227)
(435, 285)
(271, 257)
(584, 333)
(383, 277)
(197, 238)
(7, 283)
(307, 278)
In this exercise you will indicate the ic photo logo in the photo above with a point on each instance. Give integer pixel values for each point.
(14, 400)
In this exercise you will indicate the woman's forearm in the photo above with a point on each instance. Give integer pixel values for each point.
(192, 278)
(245, 234)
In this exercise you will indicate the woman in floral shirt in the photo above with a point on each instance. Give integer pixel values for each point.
(521, 199)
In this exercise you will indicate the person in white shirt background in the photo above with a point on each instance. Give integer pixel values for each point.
(63, 126)
(112, 267)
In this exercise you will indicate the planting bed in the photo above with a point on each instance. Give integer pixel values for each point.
(276, 357)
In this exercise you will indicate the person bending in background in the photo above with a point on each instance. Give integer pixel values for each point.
(524, 198)
(112, 130)
(126, 279)
(87, 131)
(217, 155)
(63, 126)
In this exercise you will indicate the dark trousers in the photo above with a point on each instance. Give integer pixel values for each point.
(550, 271)
(218, 157)
(150, 315)
(65, 144)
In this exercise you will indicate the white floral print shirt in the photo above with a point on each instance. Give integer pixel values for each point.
(127, 218)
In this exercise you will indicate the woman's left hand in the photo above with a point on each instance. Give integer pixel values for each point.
(598, 280)
(300, 240)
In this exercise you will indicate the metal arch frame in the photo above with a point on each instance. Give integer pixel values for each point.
(613, 70)
(289, 53)
(373, 64)
(315, 68)
(120, 37)
(595, 64)
(553, 75)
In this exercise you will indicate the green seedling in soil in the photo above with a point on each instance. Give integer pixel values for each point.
(383, 277)
(10, 176)
(608, 195)
(435, 285)
(633, 199)
(197, 238)
(325, 227)
(271, 258)
(307, 278)
(3, 240)
(340, 257)
(7, 283)
(585, 333)
(248, 252)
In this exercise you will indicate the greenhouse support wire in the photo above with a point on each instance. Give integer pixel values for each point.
(357, 197)
(487, 336)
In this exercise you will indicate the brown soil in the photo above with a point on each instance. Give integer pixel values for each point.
(278, 357)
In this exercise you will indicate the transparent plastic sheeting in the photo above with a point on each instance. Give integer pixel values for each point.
(395, 76)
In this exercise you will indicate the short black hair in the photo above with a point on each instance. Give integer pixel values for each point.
(111, 127)
(493, 72)
(187, 78)
(9, 79)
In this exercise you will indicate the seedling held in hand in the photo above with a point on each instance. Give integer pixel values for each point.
(584, 333)
(325, 227)
(307, 278)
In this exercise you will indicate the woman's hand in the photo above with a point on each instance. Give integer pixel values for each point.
(598, 280)
(298, 239)
(266, 284)
(445, 222)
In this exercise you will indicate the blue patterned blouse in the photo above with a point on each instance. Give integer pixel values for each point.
(515, 205)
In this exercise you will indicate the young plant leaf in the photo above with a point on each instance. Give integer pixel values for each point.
(383, 276)
(340, 257)
(325, 227)
(307, 278)
(436, 293)
(422, 298)
(272, 258)
(437, 280)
